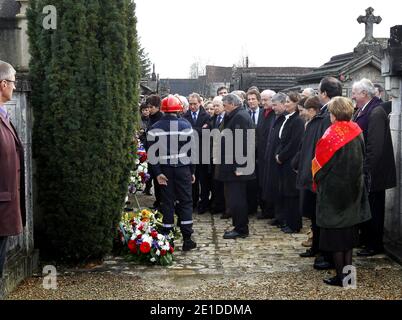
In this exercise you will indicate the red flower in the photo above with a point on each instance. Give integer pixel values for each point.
(171, 249)
(154, 234)
(163, 252)
(139, 236)
(145, 247)
(132, 245)
(141, 227)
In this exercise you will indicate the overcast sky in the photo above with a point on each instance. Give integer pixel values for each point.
(280, 33)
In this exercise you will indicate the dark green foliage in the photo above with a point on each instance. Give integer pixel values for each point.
(145, 63)
(85, 77)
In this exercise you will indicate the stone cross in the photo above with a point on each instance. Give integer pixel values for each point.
(369, 19)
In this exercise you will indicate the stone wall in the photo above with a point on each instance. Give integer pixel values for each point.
(22, 258)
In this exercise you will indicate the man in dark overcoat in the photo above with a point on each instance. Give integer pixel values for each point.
(230, 168)
(379, 162)
(265, 122)
(270, 174)
(199, 119)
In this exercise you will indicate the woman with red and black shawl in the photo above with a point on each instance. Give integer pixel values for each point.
(338, 179)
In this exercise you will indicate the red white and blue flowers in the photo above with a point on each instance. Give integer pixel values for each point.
(141, 234)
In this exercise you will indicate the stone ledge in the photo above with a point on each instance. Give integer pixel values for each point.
(17, 268)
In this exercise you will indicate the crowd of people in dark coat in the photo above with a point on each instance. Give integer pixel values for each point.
(291, 180)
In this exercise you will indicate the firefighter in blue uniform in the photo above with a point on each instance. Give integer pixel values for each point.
(172, 167)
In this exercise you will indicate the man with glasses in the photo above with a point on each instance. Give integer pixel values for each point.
(12, 185)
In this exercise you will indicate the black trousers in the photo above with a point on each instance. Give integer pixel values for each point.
(252, 196)
(3, 247)
(291, 213)
(373, 230)
(176, 197)
(308, 205)
(201, 187)
(236, 204)
(218, 196)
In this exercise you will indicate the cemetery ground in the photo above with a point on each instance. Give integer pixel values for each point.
(264, 266)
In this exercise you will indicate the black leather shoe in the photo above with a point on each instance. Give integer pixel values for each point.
(334, 281)
(309, 253)
(217, 211)
(289, 230)
(202, 211)
(274, 222)
(323, 265)
(188, 245)
(367, 252)
(260, 216)
(234, 234)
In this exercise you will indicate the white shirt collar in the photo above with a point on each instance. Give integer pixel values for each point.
(366, 105)
(289, 115)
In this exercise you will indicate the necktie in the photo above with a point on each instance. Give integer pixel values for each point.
(195, 116)
(219, 120)
(253, 117)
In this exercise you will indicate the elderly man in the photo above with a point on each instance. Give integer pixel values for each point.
(12, 185)
(270, 173)
(217, 194)
(379, 162)
(308, 92)
(199, 119)
(230, 171)
(264, 125)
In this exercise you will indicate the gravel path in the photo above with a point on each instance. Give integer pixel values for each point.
(264, 266)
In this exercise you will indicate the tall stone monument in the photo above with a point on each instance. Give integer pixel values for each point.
(392, 71)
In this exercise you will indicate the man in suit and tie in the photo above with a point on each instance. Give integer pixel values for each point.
(12, 184)
(256, 114)
(217, 194)
(199, 119)
(379, 162)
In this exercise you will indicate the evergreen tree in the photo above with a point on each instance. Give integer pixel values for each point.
(145, 63)
(85, 77)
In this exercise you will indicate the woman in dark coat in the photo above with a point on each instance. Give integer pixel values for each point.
(337, 170)
(290, 136)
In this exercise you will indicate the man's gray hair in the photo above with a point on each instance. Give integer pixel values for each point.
(217, 100)
(280, 97)
(310, 92)
(195, 95)
(270, 93)
(6, 70)
(232, 99)
(365, 85)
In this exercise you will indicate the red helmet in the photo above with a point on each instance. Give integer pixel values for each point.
(171, 104)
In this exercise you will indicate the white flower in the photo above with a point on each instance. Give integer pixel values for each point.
(160, 237)
(145, 170)
(158, 253)
(147, 238)
(153, 259)
(137, 161)
(161, 243)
